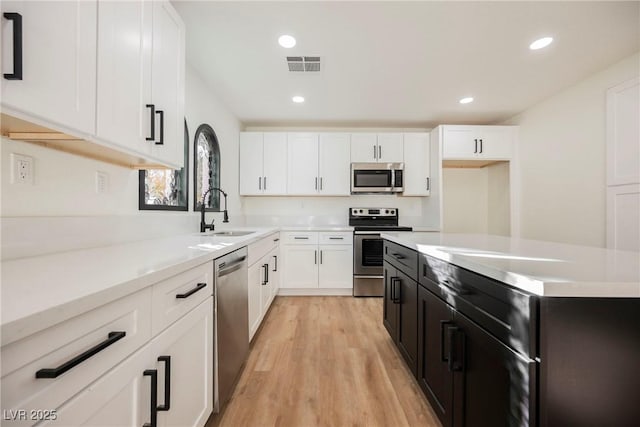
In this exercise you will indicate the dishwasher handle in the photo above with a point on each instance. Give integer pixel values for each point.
(230, 268)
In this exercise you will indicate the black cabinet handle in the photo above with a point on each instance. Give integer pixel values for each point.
(301, 238)
(336, 238)
(276, 240)
(316, 182)
(428, 184)
(266, 273)
(379, 152)
(315, 257)
(161, 114)
(275, 263)
(480, 146)
(456, 349)
(443, 345)
(56, 372)
(152, 136)
(265, 182)
(320, 256)
(153, 409)
(375, 154)
(396, 295)
(320, 183)
(17, 45)
(167, 383)
(398, 256)
(198, 287)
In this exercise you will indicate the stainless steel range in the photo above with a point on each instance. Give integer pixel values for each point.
(368, 223)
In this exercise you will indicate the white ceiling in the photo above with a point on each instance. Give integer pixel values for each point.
(400, 63)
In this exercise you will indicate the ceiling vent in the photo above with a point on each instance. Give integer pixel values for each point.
(305, 64)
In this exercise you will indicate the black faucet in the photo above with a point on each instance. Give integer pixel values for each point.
(204, 226)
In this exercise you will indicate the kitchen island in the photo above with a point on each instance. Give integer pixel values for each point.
(502, 331)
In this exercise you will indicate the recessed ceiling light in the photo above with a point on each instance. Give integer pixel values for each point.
(287, 41)
(540, 43)
(466, 100)
(298, 99)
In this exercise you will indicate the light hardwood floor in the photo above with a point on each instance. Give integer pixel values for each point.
(325, 361)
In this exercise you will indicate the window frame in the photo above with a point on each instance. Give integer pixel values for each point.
(214, 146)
(142, 177)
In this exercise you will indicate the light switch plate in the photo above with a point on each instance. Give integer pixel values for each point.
(102, 182)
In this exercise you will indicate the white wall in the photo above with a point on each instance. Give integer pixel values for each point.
(465, 200)
(62, 211)
(562, 156)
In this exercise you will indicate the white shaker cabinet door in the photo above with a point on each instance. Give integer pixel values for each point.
(274, 181)
(302, 162)
(459, 143)
(300, 266)
(167, 83)
(119, 398)
(496, 142)
(124, 74)
(334, 164)
(390, 148)
(58, 83)
(364, 147)
(189, 344)
(336, 266)
(251, 163)
(417, 180)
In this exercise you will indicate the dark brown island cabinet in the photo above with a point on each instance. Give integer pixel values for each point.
(488, 354)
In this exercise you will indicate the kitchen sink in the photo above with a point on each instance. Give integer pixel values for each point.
(231, 233)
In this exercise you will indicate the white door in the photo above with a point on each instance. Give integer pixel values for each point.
(189, 344)
(459, 143)
(300, 266)
(256, 274)
(496, 143)
(364, 147)
(417, 179)
(390, 148)
(623, 133)
(623, 217)
(302, 164)
(334, 164)
(336, 266)
(275, 163)
(121, 397)
(58, 82)
(167, 85)
(124, 74)
(251, 163)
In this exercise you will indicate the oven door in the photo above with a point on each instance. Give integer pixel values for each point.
(368, 254)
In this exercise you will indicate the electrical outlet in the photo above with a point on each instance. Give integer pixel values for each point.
(22, 169)
(102, 182)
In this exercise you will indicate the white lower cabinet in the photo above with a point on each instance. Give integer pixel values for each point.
(99, 368)
(263, 279)
(320, 261)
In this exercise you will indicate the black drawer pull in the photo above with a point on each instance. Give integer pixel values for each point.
(56, 372)
(153, 404)
(152, 136)
(398, 256)
(301, 238)
(161, 114)
(275, 263)
(198, 287)
(444, 323)
(17, 45)
(167, 383)
(336, 238)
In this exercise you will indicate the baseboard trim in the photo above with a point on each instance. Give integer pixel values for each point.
(315, 292)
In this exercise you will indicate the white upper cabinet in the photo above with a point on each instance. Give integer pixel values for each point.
(58, 82)
(140, 101)
(417, 179)
(302, 163)
(167, 83)
(374, 148)
(477, 142)
(390, 149)
(334, 164)
(263, 163)
(364, 147)
(124, 73)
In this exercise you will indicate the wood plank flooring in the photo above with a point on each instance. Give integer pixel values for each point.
(325, 361)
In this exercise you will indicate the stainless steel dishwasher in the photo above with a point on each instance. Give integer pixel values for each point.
(232, 323)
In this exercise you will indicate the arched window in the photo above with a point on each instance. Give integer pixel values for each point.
(206, 160)
(165, 189)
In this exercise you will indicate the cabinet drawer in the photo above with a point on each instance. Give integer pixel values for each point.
(300, 237)
(259, 249)
(403, 258)
(337, 238)
(87, 344)
(176, 296)
(509, 314)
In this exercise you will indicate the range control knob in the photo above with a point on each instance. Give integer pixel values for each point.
(393, 212)
(386, 211)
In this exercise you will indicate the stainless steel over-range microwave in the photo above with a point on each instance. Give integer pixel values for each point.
(372, 178)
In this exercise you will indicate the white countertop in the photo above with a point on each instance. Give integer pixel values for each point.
(542, 268)
(317, 228)
(40, 291)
